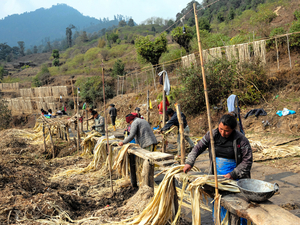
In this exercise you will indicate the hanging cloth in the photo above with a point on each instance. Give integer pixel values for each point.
(167, 86)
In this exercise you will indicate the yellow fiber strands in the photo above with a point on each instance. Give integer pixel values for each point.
(162, 207)
(100, 157)
(120, 160)
(88, 143)
(197, 194)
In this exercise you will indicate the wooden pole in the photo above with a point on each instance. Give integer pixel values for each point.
(288, 45)
(207, 104)
(118, 86)
(181, 131)
(164, 112)
(148, 111)
(52, 144)
(132, 170)
(44, 137)
(277, 53)
(137, 82)
(73, 94)
(106, 131)
(78, 134)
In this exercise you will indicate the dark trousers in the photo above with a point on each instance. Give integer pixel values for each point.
(113, 120)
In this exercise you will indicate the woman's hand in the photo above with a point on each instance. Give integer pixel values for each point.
(120, 144)
(228, 176)
(187, 168)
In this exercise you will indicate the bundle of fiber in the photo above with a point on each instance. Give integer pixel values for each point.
(206, 56)
(263, 51)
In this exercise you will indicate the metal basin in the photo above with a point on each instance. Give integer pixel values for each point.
(257, 190)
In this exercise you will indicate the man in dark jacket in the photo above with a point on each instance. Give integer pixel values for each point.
(174, 122)
(113, 115)
(230, 144)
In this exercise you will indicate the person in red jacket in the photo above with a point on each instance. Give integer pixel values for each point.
(160, 109)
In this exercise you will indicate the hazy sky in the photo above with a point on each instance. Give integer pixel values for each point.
(139, 10)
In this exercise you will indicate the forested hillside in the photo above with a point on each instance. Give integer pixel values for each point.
(42, 25)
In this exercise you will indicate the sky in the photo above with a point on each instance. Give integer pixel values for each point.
(139, 10)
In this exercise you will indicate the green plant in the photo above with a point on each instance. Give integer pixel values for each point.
(295, 38)
(42, 78)
(297, 14)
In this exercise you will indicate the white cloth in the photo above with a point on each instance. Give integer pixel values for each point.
(167, 86)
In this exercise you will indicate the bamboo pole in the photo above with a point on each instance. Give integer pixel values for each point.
(118, 86)
(207, 105)
(106, 131)
(148, 111)
(164, 111)
(73, 93)
(87, 117)
(181, 131)
(288, 45)
(153, 78)
(277, 53)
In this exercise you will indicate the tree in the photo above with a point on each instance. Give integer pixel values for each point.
(131, 23)
(183, 38)
(55, 55)
(151, 50)
(112, 37)
(191, 21)
(122, 23)
(28, 52)
(105, 54)
(204, 24)
(35, 49)
(49, 47)
(69, 35)
(84, 37)
(21, 47)
(118, 68)
(5, 50)
(153, 29)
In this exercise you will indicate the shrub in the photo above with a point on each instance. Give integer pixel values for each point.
(118, 68)
(105, 54)
(277, 31)
(91, 54)
(297, 14)
(101, 43)
(295, 38)
(42, 78)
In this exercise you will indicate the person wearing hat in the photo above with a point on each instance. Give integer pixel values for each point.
(137, 110)
(113, 115)
(174, 121)
(99, 123)
(141, 131)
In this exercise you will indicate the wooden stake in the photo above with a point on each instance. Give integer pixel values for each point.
(181, 131)
(277, 53)
(106, 130)
(288, 45)
(87, 117)
(44, 137)
(132, 170)
(207, 104)
(148, 112)
(78, 134)
(118, 86)
(137, 81)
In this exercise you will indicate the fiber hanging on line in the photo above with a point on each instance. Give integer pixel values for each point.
(26, 92)
(263, 51)
(206, 56)
(244, 54)
(231, 53)
(215, 53)
(188, 60)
